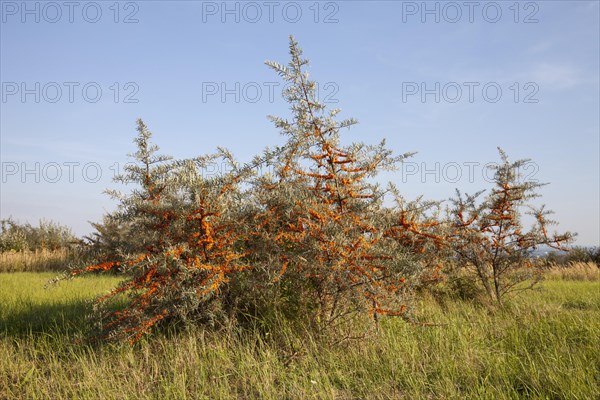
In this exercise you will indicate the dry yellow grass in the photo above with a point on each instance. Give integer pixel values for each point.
(574, 272)
(35, 261)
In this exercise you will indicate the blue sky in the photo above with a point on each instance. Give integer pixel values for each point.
(425, 76)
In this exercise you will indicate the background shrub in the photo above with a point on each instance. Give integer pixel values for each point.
(48, 235)
(488, 239)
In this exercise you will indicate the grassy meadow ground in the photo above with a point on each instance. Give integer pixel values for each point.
(545, 344)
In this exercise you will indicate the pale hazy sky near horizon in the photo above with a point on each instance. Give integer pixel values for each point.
(450, 80)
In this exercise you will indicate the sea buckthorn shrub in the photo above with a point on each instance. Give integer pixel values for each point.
(488, 240)
(310, 241)
(184, 249)
(319, 226)
(315, 240)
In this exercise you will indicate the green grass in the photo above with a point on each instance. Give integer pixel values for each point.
(545, 344)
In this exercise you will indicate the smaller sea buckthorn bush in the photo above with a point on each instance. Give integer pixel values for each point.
(488, 239)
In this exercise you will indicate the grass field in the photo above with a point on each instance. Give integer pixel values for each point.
(545, 344)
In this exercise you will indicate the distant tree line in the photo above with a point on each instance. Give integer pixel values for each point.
(47, 235)
(576, 254)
